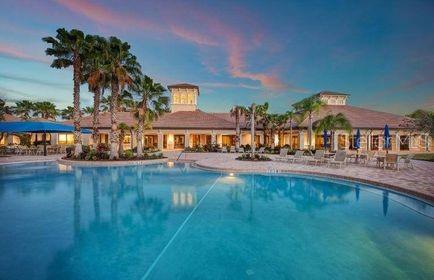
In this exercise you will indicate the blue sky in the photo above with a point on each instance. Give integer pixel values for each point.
(238, 52)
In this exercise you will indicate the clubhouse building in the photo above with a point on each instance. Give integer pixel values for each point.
(188, 126)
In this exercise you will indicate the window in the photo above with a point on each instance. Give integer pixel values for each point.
(184, 98)
(66, 138)
(404, 143)
(176, 98)
(127, 139)
(342, 139)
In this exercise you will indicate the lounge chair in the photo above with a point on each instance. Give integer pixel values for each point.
(317, 158)
(241, 150)
(224, 149)
(339, 159)
(299, 156)
(391, 160)
(283, 155)
(407, 161)
(261, 150)
(232, 150)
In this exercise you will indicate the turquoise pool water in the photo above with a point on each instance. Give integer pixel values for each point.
(178, 222)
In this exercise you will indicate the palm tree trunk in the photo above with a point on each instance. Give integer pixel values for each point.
(76, 97)
(237, 128)
(309, 133)
(114, 133)
(121, 142)
(96, 103)
(252, 128)
(139, 137)
(290, 134)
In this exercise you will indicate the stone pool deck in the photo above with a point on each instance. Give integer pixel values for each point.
(417, 182)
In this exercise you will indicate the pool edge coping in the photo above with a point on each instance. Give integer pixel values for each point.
(112, 163)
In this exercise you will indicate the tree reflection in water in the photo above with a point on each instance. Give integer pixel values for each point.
(307, 194)
(135, 220)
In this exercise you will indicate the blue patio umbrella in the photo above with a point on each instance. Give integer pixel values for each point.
(38, 127)
(387, 138)
(357, 140)
(325, 139)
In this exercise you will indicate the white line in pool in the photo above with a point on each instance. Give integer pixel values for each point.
(151, 267)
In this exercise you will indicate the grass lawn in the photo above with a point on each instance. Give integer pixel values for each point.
(427, 156)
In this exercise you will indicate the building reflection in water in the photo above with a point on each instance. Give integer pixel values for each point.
(64, 167)
(183, 197)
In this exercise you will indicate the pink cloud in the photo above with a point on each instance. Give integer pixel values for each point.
(102, 15)
(13, 52)
(205, 30)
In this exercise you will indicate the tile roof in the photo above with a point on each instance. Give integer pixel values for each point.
(359, 117)
(11, 118)
(177, 120)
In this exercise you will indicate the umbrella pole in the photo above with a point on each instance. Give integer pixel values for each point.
(44, 139)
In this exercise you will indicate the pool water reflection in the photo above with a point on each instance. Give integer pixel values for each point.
(166, 222)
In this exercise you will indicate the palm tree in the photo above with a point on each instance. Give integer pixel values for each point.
(4, 109)
(96, 77)
(88, 110)
(45, 109)
(255, 114)
(332, 123)
(307, 107)
(152, 103)
(67, 113)
(291, 118)
(69, 48)
(236, 112)
(23, 109)
(121, 67)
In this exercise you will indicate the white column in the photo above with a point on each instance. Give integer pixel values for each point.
(55, 138)
(397, 142)
(368, 142)
(301, 139)
(187, 139)
(160, 141)
(213, 138)
(335, 141)
(133, 139)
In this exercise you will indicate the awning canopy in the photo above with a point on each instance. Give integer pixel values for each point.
(37, 126)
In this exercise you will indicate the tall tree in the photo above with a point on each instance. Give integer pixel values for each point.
(67, 113)
(4, 109)
(237, 112)
(45, 109)
(96, 76)
(152, 103)
(423, 120)
(291, 118)
(23, 109)
(121, 67)
(254, 115)
(123, 128)
(88, 110)
(69, 48)
(307, 107)
(332, 123)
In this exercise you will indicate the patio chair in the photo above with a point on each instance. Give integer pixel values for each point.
(283, 155)
(232, 150)
(299, 156)
(224, 149)
(407, 161)
(391, 160)
(241, 150)
(261, 150)
(339, 159)
(317, 158)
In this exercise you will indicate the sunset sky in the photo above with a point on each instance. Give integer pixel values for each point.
(238, 52)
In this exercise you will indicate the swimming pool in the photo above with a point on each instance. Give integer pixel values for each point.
(175, 221)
